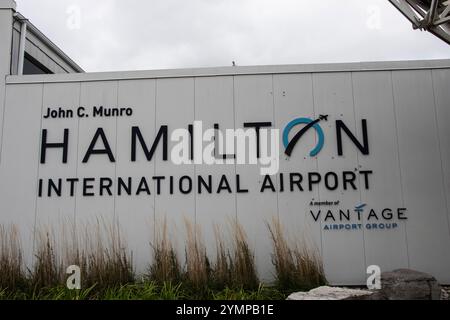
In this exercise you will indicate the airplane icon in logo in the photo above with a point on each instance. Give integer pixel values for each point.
(289, 145)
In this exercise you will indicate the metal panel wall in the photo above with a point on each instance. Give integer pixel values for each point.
(214, 104)
(135, 213)
(441, 83)
(421, 170)
(96, 94)
(6, 18)
(20, 161)
(407, 122)
(174, 108)
(254, 102)
(333, 96)
(374, 100)
(294, 98)
(56, 212)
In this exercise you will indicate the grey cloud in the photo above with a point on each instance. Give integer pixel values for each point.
(137, 34)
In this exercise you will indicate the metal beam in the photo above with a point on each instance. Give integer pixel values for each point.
(23, 39)
(430, 15)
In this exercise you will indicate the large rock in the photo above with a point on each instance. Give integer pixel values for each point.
(405, 284)
(401, 284)
(332, 293)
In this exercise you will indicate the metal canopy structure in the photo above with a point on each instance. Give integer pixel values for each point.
(429, 15)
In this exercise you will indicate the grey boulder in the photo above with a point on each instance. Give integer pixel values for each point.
(332, 293)
(401, 284)
(406, 284)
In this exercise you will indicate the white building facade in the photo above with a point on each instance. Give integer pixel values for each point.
(369, 184)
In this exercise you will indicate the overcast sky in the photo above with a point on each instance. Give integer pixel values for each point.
(110, 35)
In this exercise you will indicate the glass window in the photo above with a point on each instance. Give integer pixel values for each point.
(32, 66)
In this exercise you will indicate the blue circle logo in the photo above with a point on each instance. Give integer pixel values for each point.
(290, 145)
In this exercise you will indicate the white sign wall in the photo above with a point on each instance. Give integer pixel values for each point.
(407, 114)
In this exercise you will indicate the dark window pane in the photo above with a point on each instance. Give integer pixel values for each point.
(32, 66)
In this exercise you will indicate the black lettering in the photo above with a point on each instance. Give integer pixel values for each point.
(40, 188)
(364, 148)
(54, 187)
(267, 184)
(296, 179)
(64, 145)
(72, 185)
(344, 214)
(350, 180)
(335, 183)
(202, 183)
(224, 185)
(315, 217)
(281, 182)
(122, 185)
(87, 187)
(143, 187)
(171, 184)
(313, 178)
(238, 185)
(97, 112)
(81, 112)
(401, 213)
(136, 133)
(105, 184)
(387, 214)
(329, 216)
(158, 183)
(191, 141)
(106, 150)
(372, 214)
(366, 178)
(257, 126)
(189, 185)
(217, 154)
